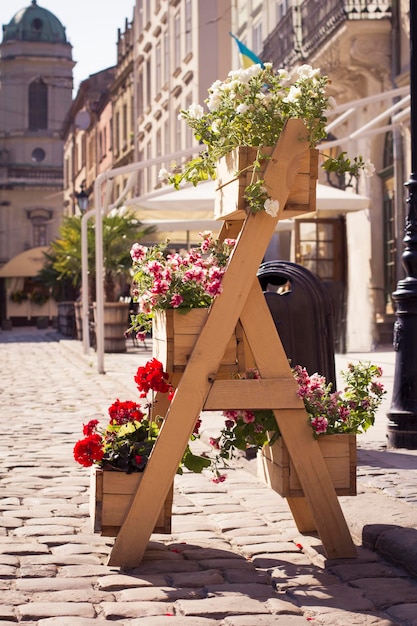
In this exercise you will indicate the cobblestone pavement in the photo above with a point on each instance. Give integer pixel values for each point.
(235, 557)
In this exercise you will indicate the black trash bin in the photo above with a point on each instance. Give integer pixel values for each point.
(302, 312)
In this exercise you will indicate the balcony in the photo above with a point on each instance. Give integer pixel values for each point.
(309, 24)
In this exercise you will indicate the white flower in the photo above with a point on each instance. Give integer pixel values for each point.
(214, 101)
(215, 127)
(271, 207)
(283, 75)
(306, 71)
(293, 94)
(242, 108)
(163, 174)
(369, 169)
(195, 111)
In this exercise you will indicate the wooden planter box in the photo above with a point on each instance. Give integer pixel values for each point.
(229, 200)
(110, 496)
(175, 332)
(339, 452)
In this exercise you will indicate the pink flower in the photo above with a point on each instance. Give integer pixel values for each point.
(219, 478)
(154, 267)
(176, 300)
(138, 252)
(160, 287)
(141, 336)
(319, 424)
(214, 288)
(248, 417)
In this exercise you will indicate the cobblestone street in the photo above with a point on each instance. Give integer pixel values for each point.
(234, 558)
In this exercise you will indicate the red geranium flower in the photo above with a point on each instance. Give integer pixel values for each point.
(124, 412)
(152, 377)
(89, 450)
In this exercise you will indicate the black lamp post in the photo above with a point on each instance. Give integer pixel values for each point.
(82, 199)
(402, 416)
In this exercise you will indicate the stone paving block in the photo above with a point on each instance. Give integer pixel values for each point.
(75, 571)
(174, 620)
(75, 621)
(196, 579)
(37, 610)
(7, 521)
(38, 571)
(234, 561)
(39, 531)
(22, 548)
(166, 567)
(241, 576)
(35, 585)
(350, 571)
(220, 606)
(405, 612)
(323, 599)
(265, 620)
(268, 547)
(116, 582)
(7, 613)
(385, 592)
(120, 610)
(158, 594)
(76, 559)
(283, 580)
(349, 618)
(251, 590)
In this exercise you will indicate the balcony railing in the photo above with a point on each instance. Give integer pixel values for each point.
(308, 23)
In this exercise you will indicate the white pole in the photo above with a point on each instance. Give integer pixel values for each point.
(84, 280)
(101, 210)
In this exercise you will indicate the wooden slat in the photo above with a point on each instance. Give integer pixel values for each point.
(252, 394)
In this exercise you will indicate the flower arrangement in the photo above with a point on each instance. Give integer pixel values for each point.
(250, 108)
(18, 296)
(127, 441)
(329, 412)
(166, 280)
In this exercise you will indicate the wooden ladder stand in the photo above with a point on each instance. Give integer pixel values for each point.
(242, 299)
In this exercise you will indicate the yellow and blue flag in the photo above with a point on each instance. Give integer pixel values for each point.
(247, 57)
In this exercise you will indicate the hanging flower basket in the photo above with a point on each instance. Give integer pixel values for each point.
(230, 200)
(111, 494)
(175, 332)
(339, 453)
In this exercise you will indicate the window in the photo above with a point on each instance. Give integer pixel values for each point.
(281, 9)
(177, 40)
(139, 93)
(38, 155)
(158, 69)
(188, 27)
(39, 232)
(124, 126)
(38, 105)
(148, 83)
(166, 58)
(117, 134)
(257, 37)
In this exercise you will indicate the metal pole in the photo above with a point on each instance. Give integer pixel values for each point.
(402, 416)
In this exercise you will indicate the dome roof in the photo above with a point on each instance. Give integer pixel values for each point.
(34, 24)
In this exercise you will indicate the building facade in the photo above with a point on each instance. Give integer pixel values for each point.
(36, 79)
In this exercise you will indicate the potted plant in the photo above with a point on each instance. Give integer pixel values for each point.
(119, 453)
(173, 293)
(335, 417)
(251, 108)
(120, 230)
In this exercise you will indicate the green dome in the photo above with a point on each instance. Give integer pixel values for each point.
(34, 24)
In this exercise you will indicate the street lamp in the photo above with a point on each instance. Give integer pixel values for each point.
(402, 416)
(82, 199)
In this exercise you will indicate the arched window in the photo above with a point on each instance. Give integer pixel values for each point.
(38, 105)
